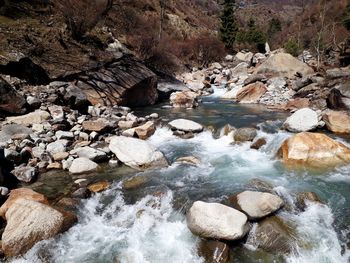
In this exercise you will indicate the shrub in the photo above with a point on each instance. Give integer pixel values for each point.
(81, 16)
(292, 47)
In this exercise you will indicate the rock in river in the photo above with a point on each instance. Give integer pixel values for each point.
(337, 121)
(82, 165)
(217, 221)
(137, 153)
(272, 235)
(185, 125)
(315, 150)
(29, 222)
(257, 204)
(302, 120)
(184, 99)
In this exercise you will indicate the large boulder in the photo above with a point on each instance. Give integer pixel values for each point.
(256, 204)
(29, 222)
(123, 82)
(302, 120)
(337, 121)
(251, 93)
(10, 101)
(283, 65)
(184, 99)
(272, 235)
(217, 221)
(315, 150)
(36, 117)
(82, 165)
(24, 193)
(185, 125)
(137, 153)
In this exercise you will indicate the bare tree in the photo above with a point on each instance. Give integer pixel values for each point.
(320, 32)
(161, 18)
(81, 16)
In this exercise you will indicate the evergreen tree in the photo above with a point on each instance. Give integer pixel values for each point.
(274, 27)
(229, 27)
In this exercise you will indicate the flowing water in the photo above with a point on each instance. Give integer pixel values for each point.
(148, 224)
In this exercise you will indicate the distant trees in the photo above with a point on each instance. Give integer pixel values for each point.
(81, 16)
(275, 26)
(253, 36)
(229, 27)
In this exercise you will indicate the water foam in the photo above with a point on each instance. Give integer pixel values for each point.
(147, 231)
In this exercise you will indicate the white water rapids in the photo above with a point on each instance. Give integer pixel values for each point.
(153, 229)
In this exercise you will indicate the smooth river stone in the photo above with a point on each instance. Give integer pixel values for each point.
(185, 125)
(258, 204)
(136, 153)
(217, 221)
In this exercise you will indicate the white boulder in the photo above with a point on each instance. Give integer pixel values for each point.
(302, 120)
(217, 221)
(136, 153)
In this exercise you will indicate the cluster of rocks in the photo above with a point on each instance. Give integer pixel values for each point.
(251, 217)
(58, 137)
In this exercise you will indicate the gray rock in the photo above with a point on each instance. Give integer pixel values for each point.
(25, 173)
(82, 165)
(245, 134)
(57, 147)
(90, 153)
(64, 135)
(10, 130)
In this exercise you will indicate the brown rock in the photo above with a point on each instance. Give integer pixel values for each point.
(214, 251)
(29, 222)
(183, 99)
(98, 187)
(191, 160)
(99, 125)
(10, 101)
(303, 197)
(315, 150)
(54, 165)
(23, 193)
(337, 121)
(251, 93)
(135, 182)
(145, 131)
(298, 103)
(273, 235)
(60, 156)
(258, 143)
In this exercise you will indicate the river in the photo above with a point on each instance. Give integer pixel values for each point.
(147, 223)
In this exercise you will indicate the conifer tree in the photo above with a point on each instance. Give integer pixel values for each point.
(229, 27)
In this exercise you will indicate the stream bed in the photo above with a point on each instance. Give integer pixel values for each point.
(147, 223)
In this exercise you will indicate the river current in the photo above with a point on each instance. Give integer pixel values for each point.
(147, 224)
